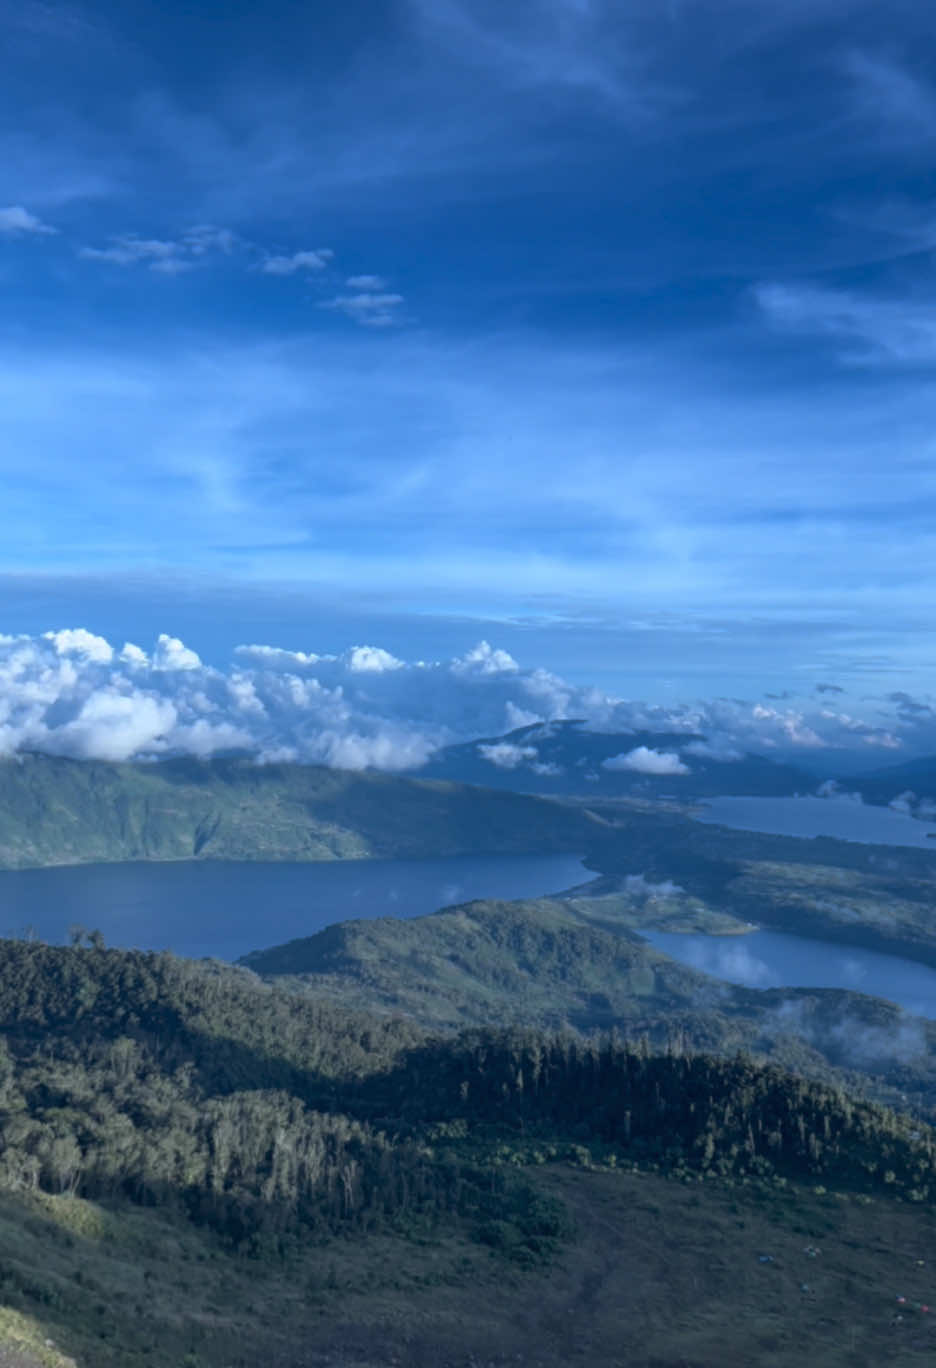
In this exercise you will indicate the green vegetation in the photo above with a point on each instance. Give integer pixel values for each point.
(157, 1112)
(526, 962)
(880, 897)
(55, 811)
(575, 963)
(206, 1167)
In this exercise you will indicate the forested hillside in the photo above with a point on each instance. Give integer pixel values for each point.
(554, 963)
(56, 811)
(143, 1097)
(162, 1080)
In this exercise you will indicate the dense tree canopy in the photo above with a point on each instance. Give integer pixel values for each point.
(259, 1112)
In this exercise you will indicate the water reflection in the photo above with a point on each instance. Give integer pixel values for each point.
(773, 959)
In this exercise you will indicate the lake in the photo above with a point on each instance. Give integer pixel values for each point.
(844, 818)
(773, 959)
(226, 909)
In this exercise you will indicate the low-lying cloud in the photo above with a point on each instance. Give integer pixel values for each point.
(71, 692)
(643, 760)
(849, 1039)
(507, 756)
(638, 885)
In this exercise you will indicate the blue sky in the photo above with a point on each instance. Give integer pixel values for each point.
(604, 332)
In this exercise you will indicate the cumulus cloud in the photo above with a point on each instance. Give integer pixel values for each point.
(133, 655)
(643, 760)
(485, 660)
(70, 691)
(77, 641)
(171, 654)
(372, 660)
(111, 725)
(14, 219)
(791, 723)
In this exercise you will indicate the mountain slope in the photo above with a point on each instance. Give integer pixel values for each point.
(548, 964)
(59, 811)
(199, 1170)
(880, 786)
(562, 758)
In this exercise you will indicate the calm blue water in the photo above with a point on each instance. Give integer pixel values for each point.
(772, 959)
(844, 818)
(198, 908)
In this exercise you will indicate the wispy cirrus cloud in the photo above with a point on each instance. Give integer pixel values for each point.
(588, 47)
(893, 99)
(881, 329)
(590, 422)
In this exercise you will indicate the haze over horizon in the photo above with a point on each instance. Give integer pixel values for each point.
(599, 333)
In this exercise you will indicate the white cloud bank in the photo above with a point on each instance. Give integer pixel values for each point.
(71, 692)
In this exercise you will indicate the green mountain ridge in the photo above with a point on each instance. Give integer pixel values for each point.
(550, 964)
(465, 1137)
(56, 811)
(189, 1132)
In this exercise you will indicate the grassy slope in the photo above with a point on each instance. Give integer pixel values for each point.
(55, 811)
(659, 1274)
